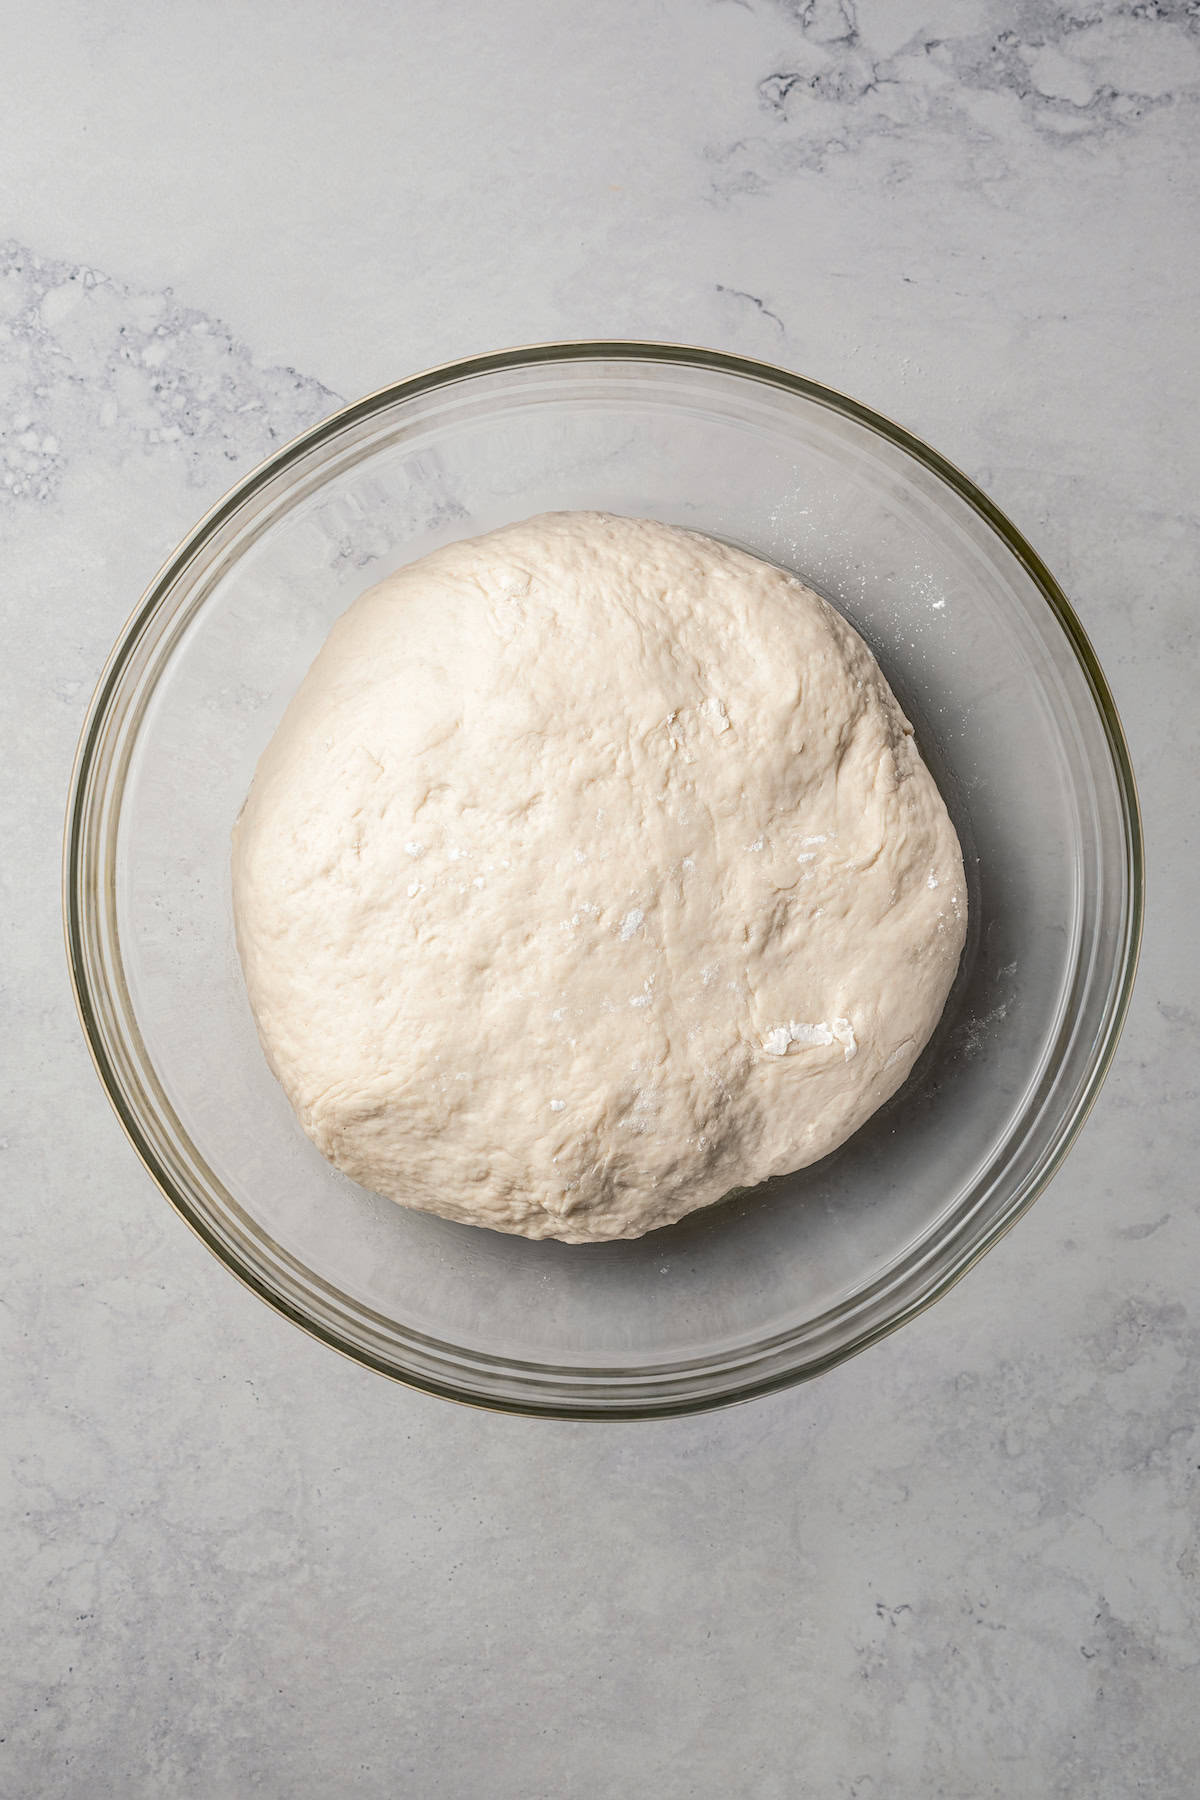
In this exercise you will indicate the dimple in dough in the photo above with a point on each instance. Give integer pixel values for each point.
(593, 871)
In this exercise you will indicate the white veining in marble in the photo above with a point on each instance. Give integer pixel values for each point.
(91, 361)
(964, 1564)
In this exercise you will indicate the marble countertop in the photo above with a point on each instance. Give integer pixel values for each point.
(965, 1563)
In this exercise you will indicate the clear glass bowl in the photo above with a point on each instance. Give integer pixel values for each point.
(1011, 711)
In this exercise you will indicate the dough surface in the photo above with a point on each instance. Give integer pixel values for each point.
(592, 871)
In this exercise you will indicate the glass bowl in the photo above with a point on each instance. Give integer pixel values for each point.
(1010, 709)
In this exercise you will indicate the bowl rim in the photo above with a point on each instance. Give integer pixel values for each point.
(546, 1404)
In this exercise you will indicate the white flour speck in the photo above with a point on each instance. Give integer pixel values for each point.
(796, 1033)
(630, 923)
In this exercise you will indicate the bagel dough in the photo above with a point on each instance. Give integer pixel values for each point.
(592, 872)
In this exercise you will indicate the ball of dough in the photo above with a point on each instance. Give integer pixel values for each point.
(592, 872)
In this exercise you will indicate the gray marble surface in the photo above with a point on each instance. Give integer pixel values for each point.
(964, 1564)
